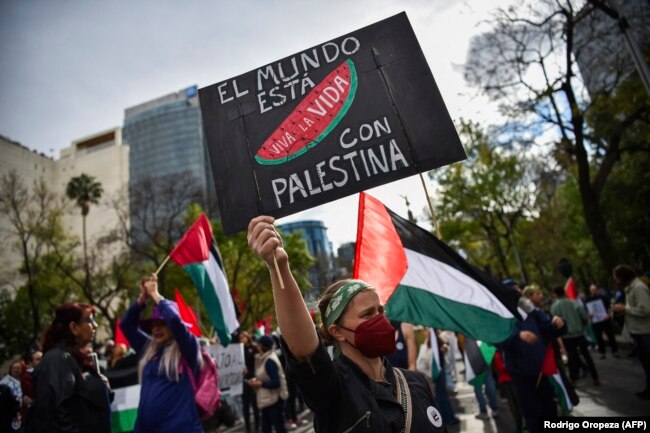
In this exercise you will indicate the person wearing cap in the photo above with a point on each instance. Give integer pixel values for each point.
(359, 390)
(168, 352)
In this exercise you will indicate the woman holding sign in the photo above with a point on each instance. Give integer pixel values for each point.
(359, 390)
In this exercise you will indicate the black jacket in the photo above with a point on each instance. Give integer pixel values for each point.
(345, 400)
(67, 399)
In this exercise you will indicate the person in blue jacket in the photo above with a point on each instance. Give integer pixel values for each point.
(168, 354)
(524, 353)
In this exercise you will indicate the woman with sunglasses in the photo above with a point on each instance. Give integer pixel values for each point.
(359, 390)
(69, 393)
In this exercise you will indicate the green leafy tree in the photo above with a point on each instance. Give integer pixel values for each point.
(248, 276)
(34, 223)
(483, 201)
(527, 63)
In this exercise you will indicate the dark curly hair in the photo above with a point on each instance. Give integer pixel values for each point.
(625, 274)
(59, 334)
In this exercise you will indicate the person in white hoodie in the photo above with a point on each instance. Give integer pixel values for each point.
(12, 380)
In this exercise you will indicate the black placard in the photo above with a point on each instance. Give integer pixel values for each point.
(350, 114)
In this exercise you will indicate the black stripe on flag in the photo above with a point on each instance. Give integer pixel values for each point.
(474, 356)
(419, 240)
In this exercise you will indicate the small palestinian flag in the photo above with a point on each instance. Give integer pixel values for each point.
(570, 289)
(478, 357)
(197, 253)
(562, 390)
(421, 280)
(124, 408)
(187, 314)
(120, 338)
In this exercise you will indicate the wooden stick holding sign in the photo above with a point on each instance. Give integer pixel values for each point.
(275, 261)
(433, 214)
(277, 271)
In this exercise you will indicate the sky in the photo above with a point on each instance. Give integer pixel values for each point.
(69, 68)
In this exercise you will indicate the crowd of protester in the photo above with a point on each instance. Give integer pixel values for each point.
(355, 356)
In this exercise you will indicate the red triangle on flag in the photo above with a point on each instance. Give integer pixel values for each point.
(119, 335)
(187, 314)
(379, 259)
(570, 289)
(194, 246)
(549, 365)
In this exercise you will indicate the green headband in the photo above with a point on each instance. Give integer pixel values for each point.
(341, 299)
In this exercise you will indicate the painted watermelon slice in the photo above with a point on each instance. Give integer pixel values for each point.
(314, 117)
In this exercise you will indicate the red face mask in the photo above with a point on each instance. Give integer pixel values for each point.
(374, 337)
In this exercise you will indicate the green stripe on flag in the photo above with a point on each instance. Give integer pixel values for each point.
(561, 393)
(208, 294)
(487, 351)
(124, 420)
(479, 379)
(435, 372)
(421, 307)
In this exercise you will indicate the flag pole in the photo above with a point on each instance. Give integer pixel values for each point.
(162, 265)
(433, 214)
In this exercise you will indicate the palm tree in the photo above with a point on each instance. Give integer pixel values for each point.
(84, 190)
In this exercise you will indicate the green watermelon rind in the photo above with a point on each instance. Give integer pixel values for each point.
(344, 109)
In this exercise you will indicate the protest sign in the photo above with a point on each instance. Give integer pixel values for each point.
(350, 114)
(597, 310)
(230, 365)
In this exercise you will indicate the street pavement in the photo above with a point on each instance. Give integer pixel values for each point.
(620, 379)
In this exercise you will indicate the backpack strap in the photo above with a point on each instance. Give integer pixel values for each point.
(404, 399)
(183, 366)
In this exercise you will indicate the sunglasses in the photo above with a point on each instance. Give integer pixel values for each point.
(90, 320)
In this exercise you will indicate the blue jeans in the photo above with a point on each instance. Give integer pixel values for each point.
(273, 416)
(490, 390)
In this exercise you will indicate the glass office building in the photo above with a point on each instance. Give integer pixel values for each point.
(315, 234)
(166, 139)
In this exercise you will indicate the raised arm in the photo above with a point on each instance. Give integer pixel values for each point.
(293, 317)
(409, 339)
(129, 325)
(187, 342)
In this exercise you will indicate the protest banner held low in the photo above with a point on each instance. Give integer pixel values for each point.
(350, 114)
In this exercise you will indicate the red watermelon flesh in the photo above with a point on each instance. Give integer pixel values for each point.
(314, 117)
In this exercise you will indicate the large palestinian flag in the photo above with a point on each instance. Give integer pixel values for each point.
(197, 253)
(421, 280)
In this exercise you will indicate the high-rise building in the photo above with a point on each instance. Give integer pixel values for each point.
(599, 46)
(166, 139)
(315, 234)
(345, 259)
(100, 155)
(30, 166)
